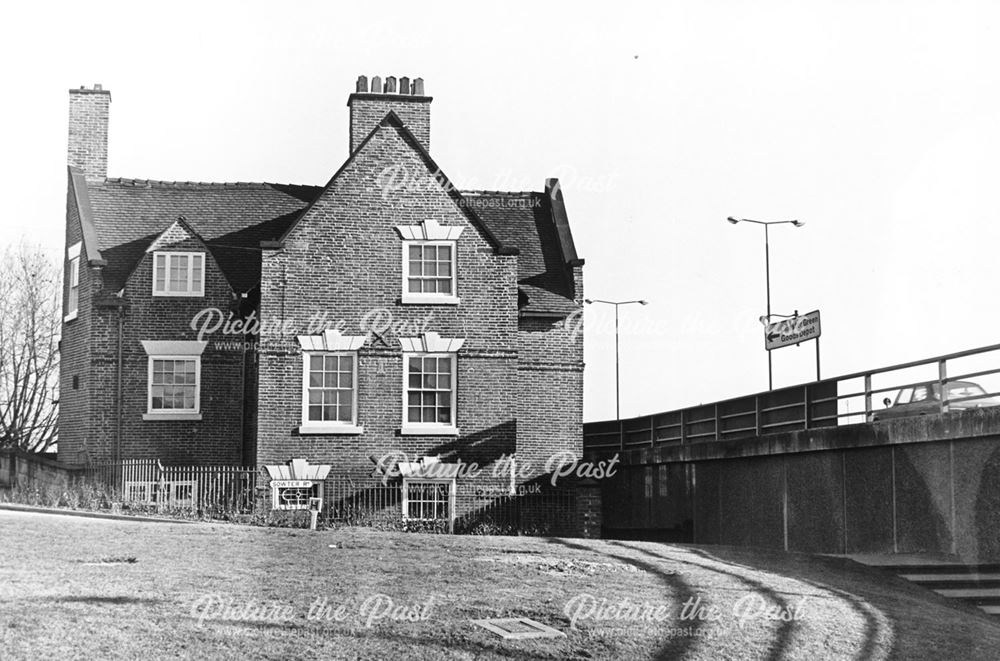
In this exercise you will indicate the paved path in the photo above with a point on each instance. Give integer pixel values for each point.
(13, 508)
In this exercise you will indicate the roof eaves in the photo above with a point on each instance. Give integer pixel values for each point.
(554, 192)
(82, 197)
(547, 314)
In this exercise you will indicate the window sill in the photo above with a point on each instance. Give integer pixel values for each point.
(171, 416)
(424, 299)
(175, 294)
(320, 428)
(428, 430)
(71, 316)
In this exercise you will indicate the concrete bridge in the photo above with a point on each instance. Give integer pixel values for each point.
(798, 469)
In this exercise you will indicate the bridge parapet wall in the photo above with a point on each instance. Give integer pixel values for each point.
(926, 484)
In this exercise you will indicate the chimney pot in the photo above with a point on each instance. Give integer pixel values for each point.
(409, 104)
(97, 87)
(362, 86)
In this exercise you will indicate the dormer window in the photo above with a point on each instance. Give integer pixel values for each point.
(430, 263)
(178, 274)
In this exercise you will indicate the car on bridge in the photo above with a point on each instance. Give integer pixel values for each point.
(925, 398)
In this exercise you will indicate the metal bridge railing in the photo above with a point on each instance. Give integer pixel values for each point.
(846, 399)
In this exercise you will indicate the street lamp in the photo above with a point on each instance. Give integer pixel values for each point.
(590, 301)
(767, 271)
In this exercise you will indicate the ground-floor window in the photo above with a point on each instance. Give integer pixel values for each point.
(176, 494)
(173, 384)
(173, 387)
(429, 500)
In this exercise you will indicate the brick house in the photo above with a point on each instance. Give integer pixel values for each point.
(386, 313)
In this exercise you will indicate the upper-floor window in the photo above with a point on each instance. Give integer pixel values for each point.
(178, 274)
(429, 272)
(430, 262)
(430, 393)
(430, 267)
(330, 390)
(330, 383)
(430, 384)
(73, 271)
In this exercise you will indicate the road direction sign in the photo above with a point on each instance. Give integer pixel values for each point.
(792, 330)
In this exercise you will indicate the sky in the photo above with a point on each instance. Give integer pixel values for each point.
(876, 123)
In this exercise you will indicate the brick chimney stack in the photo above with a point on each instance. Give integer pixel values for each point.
(370, 104)
(88, 131)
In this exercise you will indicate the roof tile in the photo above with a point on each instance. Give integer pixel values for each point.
(234, 217)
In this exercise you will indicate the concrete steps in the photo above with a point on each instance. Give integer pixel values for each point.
(977, 584)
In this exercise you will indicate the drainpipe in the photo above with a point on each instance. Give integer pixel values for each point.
(118, 387)
(243, 404)
(245, 446)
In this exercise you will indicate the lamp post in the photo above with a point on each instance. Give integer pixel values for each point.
(767, 271)
(617, 304)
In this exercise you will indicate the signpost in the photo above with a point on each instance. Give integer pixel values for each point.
(793, 330)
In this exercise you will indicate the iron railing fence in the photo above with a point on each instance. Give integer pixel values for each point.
(847, 399)
(201, 489)
(529, 509)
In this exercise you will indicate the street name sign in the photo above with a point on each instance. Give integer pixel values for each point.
(792, 331)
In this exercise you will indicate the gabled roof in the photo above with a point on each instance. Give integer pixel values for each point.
(81, 200)
(392, 121)
(232, 220)
(528, 221)
(122, 217)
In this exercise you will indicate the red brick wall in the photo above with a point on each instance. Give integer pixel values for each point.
(519, 380)
(218, 437)
(88, 131)
(550, 385)
(344, 258)
(74, 349)
(367, 112)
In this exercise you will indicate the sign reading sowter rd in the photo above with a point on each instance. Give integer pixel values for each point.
(792, 331)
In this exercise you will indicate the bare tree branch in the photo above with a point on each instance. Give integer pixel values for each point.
(30, 317)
